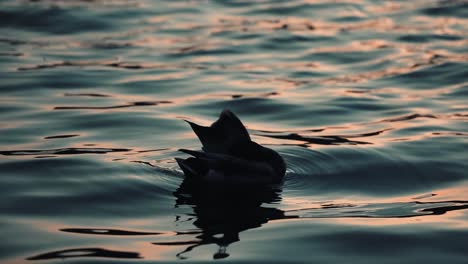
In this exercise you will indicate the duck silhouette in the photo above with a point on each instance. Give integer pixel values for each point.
(229, 156)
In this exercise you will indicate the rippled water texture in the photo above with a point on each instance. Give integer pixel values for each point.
(366, 100)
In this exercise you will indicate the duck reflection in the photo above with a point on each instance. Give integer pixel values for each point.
(222, 213)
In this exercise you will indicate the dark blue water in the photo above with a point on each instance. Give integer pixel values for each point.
(367, 101)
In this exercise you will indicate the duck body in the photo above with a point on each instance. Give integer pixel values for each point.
(229, 157)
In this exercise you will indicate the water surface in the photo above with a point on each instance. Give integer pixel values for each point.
(366, 101)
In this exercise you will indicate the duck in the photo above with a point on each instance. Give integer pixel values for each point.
(229, 156)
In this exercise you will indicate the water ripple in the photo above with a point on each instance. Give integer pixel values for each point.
(107, 232)
(65, 151)
(154, 103)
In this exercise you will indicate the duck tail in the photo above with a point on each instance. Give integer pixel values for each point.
(206, 135)
(227, 131)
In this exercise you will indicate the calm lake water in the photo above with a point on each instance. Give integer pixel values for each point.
(366, 100)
